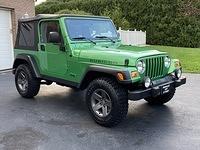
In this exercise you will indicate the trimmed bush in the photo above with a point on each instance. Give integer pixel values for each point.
(167, 22)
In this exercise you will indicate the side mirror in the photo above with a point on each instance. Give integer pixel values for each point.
(54, 37)
(118, 34)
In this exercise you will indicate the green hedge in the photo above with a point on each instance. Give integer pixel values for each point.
(167, 22)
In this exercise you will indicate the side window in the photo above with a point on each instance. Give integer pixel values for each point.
(26, 36)
(47, 28)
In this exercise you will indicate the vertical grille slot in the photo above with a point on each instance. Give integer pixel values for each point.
(154, 67)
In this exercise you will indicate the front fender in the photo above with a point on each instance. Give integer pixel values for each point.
(175, 64)
(95, 71)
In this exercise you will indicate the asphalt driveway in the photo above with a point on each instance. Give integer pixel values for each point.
(57, 119)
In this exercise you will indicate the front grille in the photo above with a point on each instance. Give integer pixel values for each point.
(154, 67)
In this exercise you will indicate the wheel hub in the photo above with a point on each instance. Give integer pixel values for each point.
(22, 81)
(101, 103)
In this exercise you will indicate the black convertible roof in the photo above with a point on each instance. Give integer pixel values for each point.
(54, 16)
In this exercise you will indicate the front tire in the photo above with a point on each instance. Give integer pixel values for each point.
(107, 102)
(26, 84)
(162, 99)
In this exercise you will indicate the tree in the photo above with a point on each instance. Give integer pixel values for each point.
(167, 22)
(117, 16)
(73, 11)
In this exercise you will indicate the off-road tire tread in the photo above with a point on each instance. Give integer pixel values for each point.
(120, 112)
(162, 99)
(33, 83)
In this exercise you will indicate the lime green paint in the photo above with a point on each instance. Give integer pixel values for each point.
(189, 57)
(73, 63)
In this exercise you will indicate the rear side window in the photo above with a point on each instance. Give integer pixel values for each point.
(26, 36)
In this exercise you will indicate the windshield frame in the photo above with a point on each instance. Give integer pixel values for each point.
(88, 18)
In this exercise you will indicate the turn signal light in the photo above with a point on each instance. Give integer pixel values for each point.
(120, 76)
(134, 74)
(177, 64)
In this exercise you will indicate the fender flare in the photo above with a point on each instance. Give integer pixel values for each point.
(30, 61)
(109, 71)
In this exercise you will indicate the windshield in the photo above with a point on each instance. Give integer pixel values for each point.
(90, 28)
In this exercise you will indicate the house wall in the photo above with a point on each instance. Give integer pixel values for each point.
(18, 8)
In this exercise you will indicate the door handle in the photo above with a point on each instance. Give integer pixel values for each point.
(42, 47)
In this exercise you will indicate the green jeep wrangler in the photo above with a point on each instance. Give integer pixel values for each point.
(85, 52)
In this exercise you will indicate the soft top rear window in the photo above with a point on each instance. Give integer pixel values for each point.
(27, 36)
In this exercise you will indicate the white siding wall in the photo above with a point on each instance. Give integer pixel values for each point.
(6, 43)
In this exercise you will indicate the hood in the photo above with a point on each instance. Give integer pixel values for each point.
(116, 56)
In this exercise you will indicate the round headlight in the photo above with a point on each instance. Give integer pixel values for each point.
(141, 66)
(147, 82)
(178, 73)
(167, 61)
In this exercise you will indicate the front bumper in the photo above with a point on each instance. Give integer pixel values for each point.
(161, 88)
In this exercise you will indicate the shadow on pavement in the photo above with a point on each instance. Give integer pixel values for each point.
(141, 115)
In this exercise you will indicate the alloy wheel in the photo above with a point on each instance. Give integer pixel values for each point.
(22, 81)
(101, 103)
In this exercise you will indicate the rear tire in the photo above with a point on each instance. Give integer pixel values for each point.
(27, 85)
(107, 102)
(162, 99)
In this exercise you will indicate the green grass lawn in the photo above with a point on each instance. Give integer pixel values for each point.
(189, 57)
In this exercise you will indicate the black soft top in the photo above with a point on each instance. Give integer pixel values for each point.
(27, 34)
(55, 16)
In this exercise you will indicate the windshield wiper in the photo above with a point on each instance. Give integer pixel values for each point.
(105, 37)
(84, 38)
